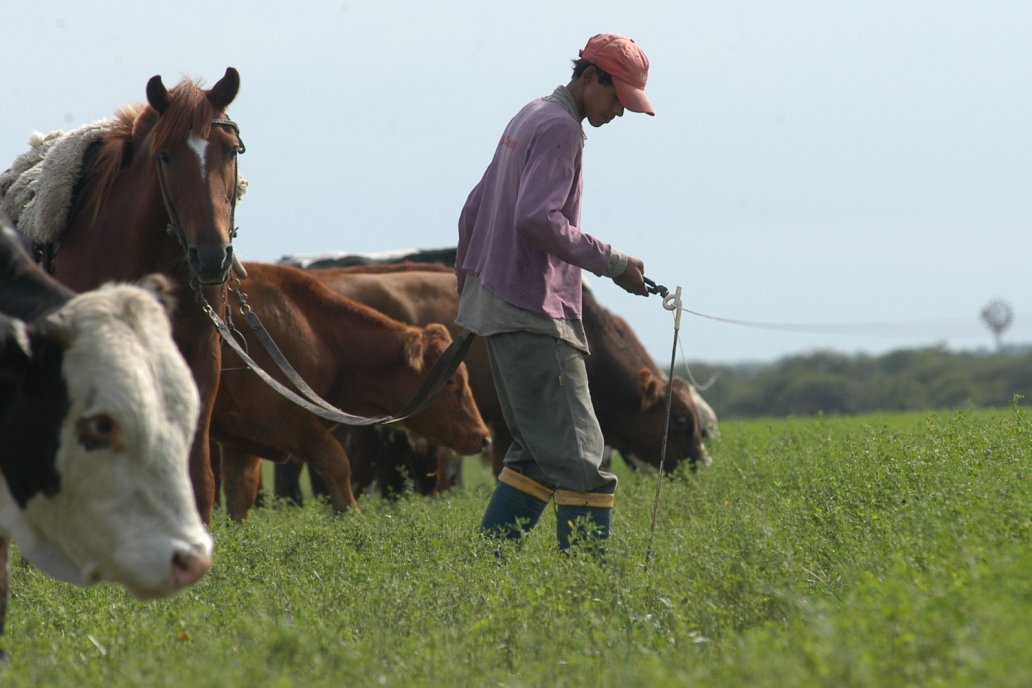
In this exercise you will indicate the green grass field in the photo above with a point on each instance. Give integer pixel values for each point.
(873, 551)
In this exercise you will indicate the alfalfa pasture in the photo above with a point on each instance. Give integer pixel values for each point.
(863, 551)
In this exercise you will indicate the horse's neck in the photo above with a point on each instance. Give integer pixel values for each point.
(127, 238)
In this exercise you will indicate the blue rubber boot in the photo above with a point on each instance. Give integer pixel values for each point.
(511, 512)
(584, 527)
(581, 524)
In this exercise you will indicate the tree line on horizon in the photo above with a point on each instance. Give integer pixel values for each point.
(833, 383)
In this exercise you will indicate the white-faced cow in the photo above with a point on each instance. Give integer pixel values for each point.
(97, 414)
(707, 416)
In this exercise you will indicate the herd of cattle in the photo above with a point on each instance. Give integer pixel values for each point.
(122, 415)
(98, 406)
(334, 323)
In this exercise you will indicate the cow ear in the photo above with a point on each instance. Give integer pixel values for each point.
(650, 388)
(56, 326)
(414, 348)
(440, 333)
(161, 288)
(15, 348)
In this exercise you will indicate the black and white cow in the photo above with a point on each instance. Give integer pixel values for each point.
(97, 414)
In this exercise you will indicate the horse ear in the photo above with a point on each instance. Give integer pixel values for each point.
(157, 94)
(56, 326)
(223, 92)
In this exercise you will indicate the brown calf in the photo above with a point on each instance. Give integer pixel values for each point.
(354, 357)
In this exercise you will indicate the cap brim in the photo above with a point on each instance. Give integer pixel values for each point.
(633, 99)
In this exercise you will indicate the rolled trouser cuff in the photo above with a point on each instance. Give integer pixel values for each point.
(599, 500)
(526, 485)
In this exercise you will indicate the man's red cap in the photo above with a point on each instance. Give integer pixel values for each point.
(622, 59)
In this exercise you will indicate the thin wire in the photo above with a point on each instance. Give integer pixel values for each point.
(653, 288)
(863, 329)
(859, 329)
(690, 377)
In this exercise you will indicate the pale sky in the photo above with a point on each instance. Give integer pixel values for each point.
(811, 161)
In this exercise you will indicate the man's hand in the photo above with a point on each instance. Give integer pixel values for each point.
(632, 279)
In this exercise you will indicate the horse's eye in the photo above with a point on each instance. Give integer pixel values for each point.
(164, 157)
(98, 432)
(681, 421)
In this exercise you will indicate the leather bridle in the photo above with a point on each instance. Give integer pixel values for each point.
(174, 227)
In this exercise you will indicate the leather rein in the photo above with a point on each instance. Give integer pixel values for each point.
(173, 217)
(308, 399)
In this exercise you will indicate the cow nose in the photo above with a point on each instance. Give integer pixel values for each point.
(189, 567)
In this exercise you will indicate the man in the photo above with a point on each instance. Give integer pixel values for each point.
(519, 261)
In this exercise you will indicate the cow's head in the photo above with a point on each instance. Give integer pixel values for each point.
(97, 414)
(645, 429)
(452, 418)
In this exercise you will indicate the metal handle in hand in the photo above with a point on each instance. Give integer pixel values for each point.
(653, 288)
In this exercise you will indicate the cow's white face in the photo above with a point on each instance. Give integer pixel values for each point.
(113, 501)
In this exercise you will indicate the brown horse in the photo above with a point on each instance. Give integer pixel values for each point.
(158, 194)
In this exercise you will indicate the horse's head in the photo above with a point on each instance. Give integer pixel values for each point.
(195, 146)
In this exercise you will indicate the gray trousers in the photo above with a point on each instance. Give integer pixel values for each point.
(542, 386)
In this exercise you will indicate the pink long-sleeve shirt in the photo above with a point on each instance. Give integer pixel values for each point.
(519, 230)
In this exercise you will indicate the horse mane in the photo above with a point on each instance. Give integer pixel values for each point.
(188, 109)
(115, 152)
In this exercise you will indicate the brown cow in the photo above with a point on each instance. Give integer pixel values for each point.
(627, 388)
(354, 357)
(615, 347)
